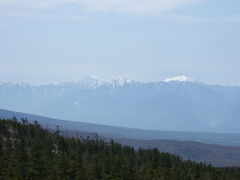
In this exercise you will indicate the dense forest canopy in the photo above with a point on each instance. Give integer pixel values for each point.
(29, 152)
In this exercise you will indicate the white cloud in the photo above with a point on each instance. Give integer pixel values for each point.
(123, 6)
(199, 19)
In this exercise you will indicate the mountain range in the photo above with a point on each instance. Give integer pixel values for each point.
(176, 104)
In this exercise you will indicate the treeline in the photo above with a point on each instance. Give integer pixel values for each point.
(29, 152)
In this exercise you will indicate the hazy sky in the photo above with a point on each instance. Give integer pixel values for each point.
(149, 40)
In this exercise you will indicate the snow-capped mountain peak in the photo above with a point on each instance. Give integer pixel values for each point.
(91, 82)
(120, 81)
(180, 79)
(95, 82)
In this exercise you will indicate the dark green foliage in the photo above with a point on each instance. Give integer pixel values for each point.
(28, 152)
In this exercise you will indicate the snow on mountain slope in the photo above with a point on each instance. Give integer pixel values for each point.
(180, 79)
(93, 82)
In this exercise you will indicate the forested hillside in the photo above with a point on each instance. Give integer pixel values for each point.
(226, 139)
(28, 151)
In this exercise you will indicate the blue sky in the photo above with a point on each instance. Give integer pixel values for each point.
(59, 40)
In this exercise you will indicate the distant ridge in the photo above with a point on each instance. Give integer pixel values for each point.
(94, 82)
(132, 133)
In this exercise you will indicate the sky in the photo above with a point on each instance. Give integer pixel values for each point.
(45, 41)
